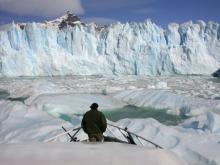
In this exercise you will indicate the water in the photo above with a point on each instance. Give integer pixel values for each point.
(21, 99)
(4, 94)
(215, 80)
(131, 111)
(134, 112)
(65, 117)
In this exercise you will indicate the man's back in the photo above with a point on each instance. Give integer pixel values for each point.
(94, 122)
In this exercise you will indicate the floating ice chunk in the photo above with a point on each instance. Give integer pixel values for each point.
(161, 99)
(162, 85)
(20, 123)
(214, 122)
(207, 122)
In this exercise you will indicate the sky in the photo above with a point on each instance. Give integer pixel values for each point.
(162, 12)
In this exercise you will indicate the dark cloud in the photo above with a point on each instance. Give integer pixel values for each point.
(41, 7)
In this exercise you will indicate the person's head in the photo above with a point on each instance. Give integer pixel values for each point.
(94, 106)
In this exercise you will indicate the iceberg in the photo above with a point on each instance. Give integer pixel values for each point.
(66, 46)
(206, 122)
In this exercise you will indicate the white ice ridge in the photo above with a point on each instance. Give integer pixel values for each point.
(174, 103)
(20, 123)
(73, 48)
(83, 153)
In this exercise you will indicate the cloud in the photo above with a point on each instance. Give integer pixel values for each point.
(49, 8)
(100, 20)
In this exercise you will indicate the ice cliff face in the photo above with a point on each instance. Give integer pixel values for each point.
(68, 47)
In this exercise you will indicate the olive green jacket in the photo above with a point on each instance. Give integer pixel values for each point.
(94, 122)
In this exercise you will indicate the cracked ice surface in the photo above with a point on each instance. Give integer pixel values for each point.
(28, 121)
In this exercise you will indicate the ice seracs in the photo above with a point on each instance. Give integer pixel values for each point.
(66, 46)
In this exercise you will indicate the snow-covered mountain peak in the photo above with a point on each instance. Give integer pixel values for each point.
(67, 19)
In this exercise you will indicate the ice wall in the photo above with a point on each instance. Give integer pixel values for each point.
(42, 49)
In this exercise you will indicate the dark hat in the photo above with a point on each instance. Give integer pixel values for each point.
(94, 106)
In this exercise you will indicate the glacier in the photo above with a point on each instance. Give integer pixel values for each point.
(67, 46)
